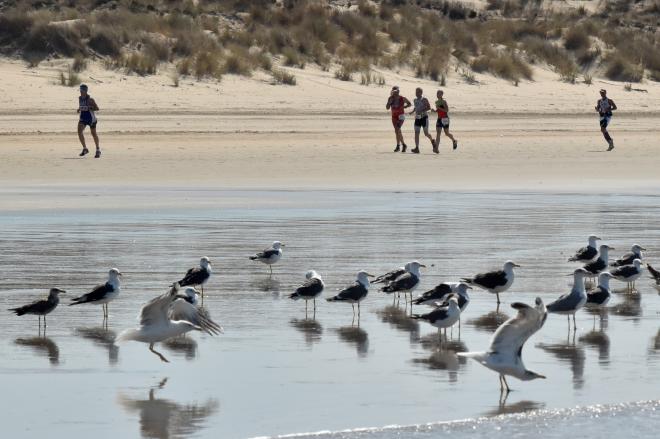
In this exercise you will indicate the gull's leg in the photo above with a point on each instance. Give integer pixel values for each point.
(574, 324)
(45, 324)
(353, 305)
(498, 298)
(315, 306)
(506, 385)
(202, 288)
(151, 348)
(39, 324)
(270, 267)
(358, 310)
(305, 309)
(459, 327)
(501, 386)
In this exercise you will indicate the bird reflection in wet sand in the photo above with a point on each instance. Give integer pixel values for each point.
(444, 355)
(42, 345)
(103, 337)
(601, 342)
(654, 347)
(184, 346)
(630, 306)
(162, 418)
(400, 319)
(267, 285)
(489, 322)
(311, 329)
(569, 352)
(354, 335)
(517, 407)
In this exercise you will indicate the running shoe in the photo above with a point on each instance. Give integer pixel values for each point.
(83, 152)
(397, 149)
(436, 150)
(403, 147)
(98, 154)
(415, 151)
(611, 142)
(455, 144)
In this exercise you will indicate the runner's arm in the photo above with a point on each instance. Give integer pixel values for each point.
(93, 105)
(612, 105)
(406, 103)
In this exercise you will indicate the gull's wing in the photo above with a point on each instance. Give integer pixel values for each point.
(654, 273)
(439, 292)
(585, 253)
(155, 311)
(353, 292)
(181, 310)
(624, 271)
(626, 259)
(312, 287)
(402, 283)
(194, 276)
(491, 280)
(512, 334)
(97, 293)
(389, 276)
(267, 253)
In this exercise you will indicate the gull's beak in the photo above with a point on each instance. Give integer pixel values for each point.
(370, 275)
(572, 274)
(120, 274)
(541, 376)
(422, 265)
(642, 248)
(611, 248)
(516, 265)
(469, 287)
(61, 291)
(282, 245)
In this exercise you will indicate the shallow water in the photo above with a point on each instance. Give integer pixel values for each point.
(275, 372)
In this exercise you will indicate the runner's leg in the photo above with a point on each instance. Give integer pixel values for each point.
(95, 136)
(81, 136)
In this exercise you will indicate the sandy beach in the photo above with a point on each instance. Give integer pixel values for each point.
(322, 134)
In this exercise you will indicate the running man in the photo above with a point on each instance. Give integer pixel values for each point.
(442, 107)
(398, 104)
(605, 106)
(421, 108)
(86, 107)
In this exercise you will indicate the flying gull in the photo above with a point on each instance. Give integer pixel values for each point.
(355, 293)
(494, 282)
(442, 316)
(572, 302)
(309, 290)
(270, 255)
(588, 253)
(166, 316)
(601, 263)
(628, 273)
(102, 294)
(406, 282)
(504, 355)
(197, 276)
(41, 307)
(627, 259)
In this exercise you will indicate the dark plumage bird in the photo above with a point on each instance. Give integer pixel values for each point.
(310, 290)
(269, 256)
(494, 282)
(443, 316)
(588, 253)
(628, 273)
(601, 263)
(102, 294)
(436, 295)
(627, 259)
(655, 274)
(356, 293)
(389, 276)
(41, 307)
(197, 276)
(406, 282)
(600, 295)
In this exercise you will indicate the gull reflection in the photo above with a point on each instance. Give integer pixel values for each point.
(600, 313)
(654, 347)
(311, 329)
(517, 407)
(103, 337)
(490, 321)
(43, 346)
(601, 342)
(444, 356)
(569, 353)
(400, 320)
(354, 335)
(163, 419)
(182, 346)
(267, 285)
(630, 306)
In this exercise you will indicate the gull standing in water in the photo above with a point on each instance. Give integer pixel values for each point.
(197, 276)
(504, 355)
(628, 273)
(600, 295)
(169, 315)
(309, 290)
(443, 316)
(588, 253)
(356, 293)
(269, 256)
(572, 302)
(627, 259)
(41, 307)
(495, 282)
(406, 282)
(601, 263)
(102, 294)
(459, 289)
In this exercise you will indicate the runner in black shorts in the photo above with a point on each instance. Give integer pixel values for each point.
(605, 106)
(86, 108)
(421, 107)
(442, 108)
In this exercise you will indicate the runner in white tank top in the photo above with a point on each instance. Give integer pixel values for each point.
(421, 107)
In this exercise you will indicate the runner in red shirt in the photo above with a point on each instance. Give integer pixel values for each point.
(442, 108)
(398, 105)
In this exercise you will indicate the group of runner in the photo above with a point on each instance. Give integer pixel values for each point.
(398, 104)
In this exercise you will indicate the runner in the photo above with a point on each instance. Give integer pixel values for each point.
(398, 104)
(421, 108)
(442, 107)
(86, 107)
(605, 106)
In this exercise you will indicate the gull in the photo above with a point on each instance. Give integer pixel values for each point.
(309, 290)
(495, 282)
(628, 273)
(600, 295)
(355, 293)
(572, 302)
(442, 316)
(627, 259)
(458, 289)
(102, 294)
(601, 263)
(197, 276)
(406, 282)
(504, 355)
(655, 274)
(270, 255)
(588, 253)
(41, 307)
(169, 315)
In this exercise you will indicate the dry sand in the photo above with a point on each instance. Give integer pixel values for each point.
(321, 134)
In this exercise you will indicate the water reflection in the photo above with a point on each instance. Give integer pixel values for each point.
(601, 342)
(103, 337)
(570, 353)
(444, 355)
(311, 329)
(400, 319)
(517, 407)
(43, 346)
(182, 346)
(630, 306)
(267, 285)
(162, 418)
(489, 321)
(600, 314)
(654, 347)
(354, 335)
